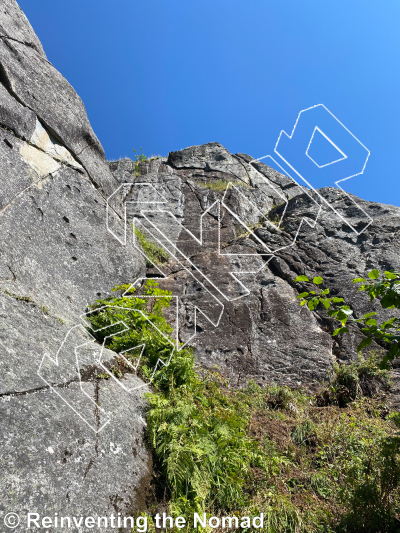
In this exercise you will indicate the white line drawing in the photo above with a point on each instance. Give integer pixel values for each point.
(178, 346)
(344, 156)
(162, 239)
(97, 360)
(126, 187)
(346, 167)
(303, 220)
(156, 204)
(56, 362)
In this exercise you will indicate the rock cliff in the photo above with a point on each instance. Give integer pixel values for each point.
(265, 335)
(57, 257)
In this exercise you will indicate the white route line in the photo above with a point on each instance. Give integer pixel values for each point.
(156, 233)
(56, 362)
(331, 142)
(336, 182)
(98, 359)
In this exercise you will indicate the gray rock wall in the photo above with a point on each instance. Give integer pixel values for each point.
(56, 257)
(265, 335)
(237, 296)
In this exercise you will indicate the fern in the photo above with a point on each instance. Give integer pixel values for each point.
(201, 432)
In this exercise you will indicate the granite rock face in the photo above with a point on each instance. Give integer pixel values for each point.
(56, 258)
(237, 232)
(267, 223)
(33, 82)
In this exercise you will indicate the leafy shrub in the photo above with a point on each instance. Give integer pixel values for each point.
(139, 157)
(220, 185)
(223, 451)
(198, 436)
(282, 515)
(137, 311)
(361, 459)
(357, 379)
(321, 485)
(281, 397)
(362, 377)
(375, 502)
(386, 290)
(201, 443)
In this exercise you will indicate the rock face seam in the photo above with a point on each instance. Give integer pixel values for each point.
(7, 84)
(4, 209)
(30, 45)
(42, 178)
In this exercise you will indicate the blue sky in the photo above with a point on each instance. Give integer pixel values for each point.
(169, 74)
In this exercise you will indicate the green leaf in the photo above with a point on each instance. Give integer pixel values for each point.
(367, 315)
(326, 304)
(337, 300)
(302, 295)
(371, 322)
(364, 343)
(390, 275)
(393, 351)
(301, 278)
(339, 330)
(358, 280)
(318, 280)
(389, 300)
(374, 274)
(343, 314)
(384, 363)
(388, 324)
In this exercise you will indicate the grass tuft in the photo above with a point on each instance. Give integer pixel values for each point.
(220, 185)
(154, 253)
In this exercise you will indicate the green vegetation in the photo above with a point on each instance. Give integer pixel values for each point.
(275, 220)
(17, 297)
(154, 253)
(275, 215)
(385, 288)
(251, 227)
(138, 313)
(309, 463)
(28, 299)
(139, 157)
(220, 185)
(360, 378)
(272, 216)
